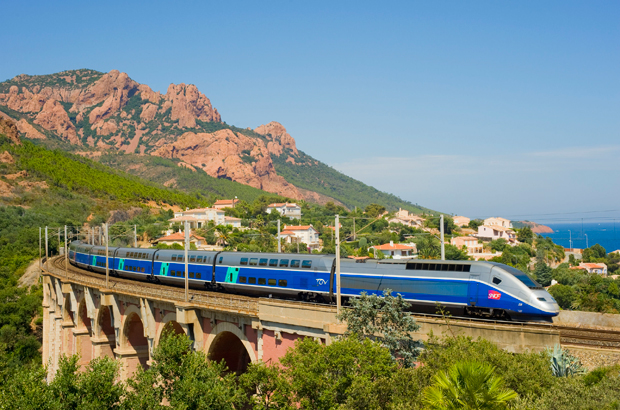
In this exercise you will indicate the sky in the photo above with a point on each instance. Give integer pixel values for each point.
(476, 108)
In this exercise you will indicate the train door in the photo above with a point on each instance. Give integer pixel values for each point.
(473, 290)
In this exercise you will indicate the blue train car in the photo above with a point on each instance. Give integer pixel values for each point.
(483, 289)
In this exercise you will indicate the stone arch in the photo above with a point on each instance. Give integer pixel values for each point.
(134, 346)
(227, 342)
(168, 322)
(104, 333)
(83, 332)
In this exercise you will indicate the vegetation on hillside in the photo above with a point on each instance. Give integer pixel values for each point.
(316, 176)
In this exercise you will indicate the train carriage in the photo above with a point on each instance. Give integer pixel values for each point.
(485, 289)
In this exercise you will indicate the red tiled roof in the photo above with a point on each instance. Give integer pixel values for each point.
(182, 218)
(179, 236)
(298, 228)
(594, 265)
(231, 218)
(396, 246)
(224, 202)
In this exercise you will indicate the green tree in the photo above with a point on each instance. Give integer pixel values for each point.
(185, 378)
(428, 247)
(475, 223)
(525, 235)
(455, 254)
(386, 320)
(563, 294)
(325, 377)
(374, 210)
(468, 385)
(543, 273)
(499, 245)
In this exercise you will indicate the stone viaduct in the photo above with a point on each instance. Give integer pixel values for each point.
(126, 320)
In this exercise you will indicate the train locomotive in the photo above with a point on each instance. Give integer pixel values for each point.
(483, 289)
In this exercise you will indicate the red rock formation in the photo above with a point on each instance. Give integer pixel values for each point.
(53, 117)
(188, 105)
(220, 154)
(279, 138)
(8, 128)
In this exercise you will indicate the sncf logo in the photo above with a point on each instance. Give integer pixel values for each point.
(494, 295)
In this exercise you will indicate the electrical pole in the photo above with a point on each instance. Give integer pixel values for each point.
(135, 236)
(58, 241)
(586, 240)
(570, 240)
(443, 245)
(107, 263)
(46, 248)
(279, 239)
(337, 264)
(353, 228)
(40, 256)
(186, 262)
(66, 255)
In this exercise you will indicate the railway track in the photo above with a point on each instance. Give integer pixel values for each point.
(569, 336)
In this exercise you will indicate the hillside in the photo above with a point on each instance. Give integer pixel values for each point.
(101, 115)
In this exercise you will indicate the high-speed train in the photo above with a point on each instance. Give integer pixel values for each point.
(485, 289)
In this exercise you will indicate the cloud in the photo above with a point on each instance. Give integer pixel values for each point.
(579, 152)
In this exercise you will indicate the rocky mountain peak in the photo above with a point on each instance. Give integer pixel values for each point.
(279, 138)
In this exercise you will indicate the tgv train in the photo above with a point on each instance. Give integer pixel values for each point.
(485, 289)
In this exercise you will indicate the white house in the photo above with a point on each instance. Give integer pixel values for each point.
(397, 250)
(461, 220)
(471, 243)
(232, 221)
(599, 268)
(199, 217)
(179, 239)
(496, 221)
(285, 209)
(301, 234)
(225, 203)
(494, 232)
(404, 217)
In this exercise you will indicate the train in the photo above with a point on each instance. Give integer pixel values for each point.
(471, 288)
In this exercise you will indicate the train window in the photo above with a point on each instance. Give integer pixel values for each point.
(295, 263)
(282, 282)
(199, 259)
(272, 282)
(191, 274)
(252, 281)
(283, 263)
(459, 268)
(174, 258)
(192, 258)
(273, 262)
(142, 270)
(542, 299)
(418, 266)
(444, 267)
(306, 264)
(197, 275)
(425, 266)
(171, 273)
(244, 261)
(253, 261)
(243, 279)
(180, 258)
(221, 259)
(262, 262)
(431, 266)
(497, 281)
(466, 268)
(157, 257)
(262, 281)
(209, 260)
(452, 268)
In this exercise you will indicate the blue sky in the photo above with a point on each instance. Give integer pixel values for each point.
(478, 108)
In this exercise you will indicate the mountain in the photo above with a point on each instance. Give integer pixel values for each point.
(110, 117)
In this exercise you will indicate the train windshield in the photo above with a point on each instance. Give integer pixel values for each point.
(522, 276)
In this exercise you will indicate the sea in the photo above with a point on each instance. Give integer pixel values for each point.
(606, 234)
